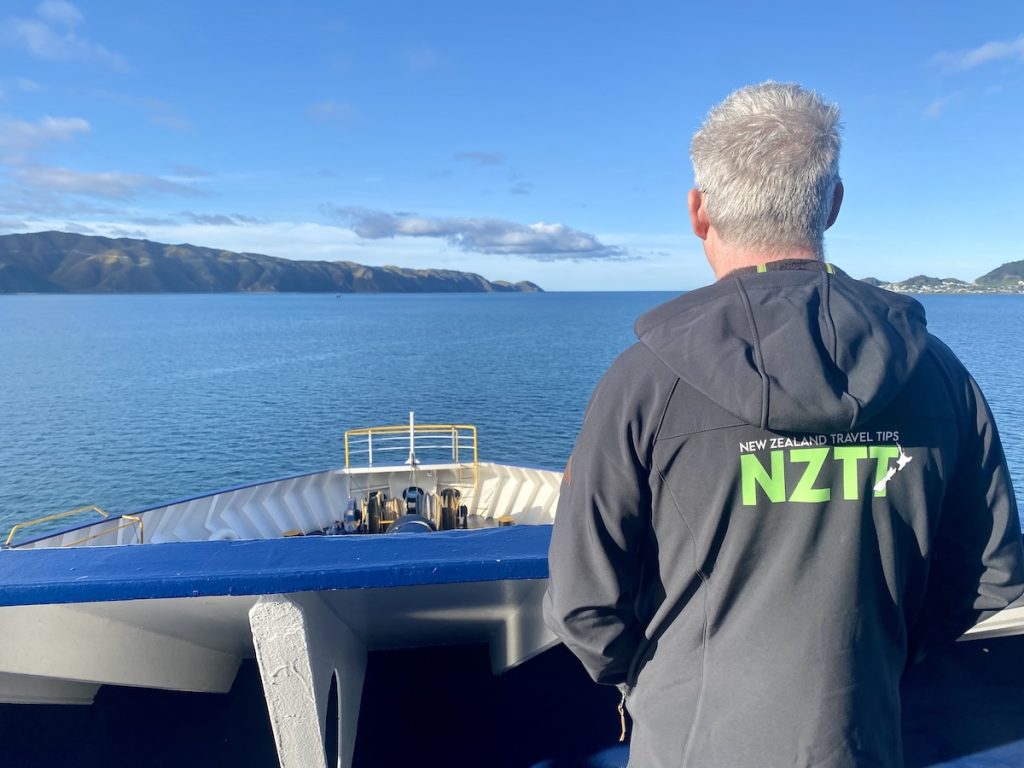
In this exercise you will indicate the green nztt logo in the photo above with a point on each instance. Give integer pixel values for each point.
(812, 472)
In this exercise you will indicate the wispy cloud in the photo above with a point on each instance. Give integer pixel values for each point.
(118, 232)
(16, 199)
(50, 35)
(27, 85)
(331, 111)
(541, 241)
(21, 84)
(996, 50)
(29, 185)
(476, 157)
(79, 228)
(186, 171)
(937, 106)
(220, 219)
(22, 135)
(191, 219)
(60, 12)
(111, 185)
(165, 115)
(521, 188)
(421, 59)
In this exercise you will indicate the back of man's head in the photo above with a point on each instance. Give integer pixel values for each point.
(766, 162)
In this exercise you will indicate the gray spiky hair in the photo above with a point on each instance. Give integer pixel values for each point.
(767, 163)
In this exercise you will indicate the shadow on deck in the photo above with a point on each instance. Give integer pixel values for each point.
(442, 707)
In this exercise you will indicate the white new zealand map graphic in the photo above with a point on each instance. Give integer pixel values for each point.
(901, 461)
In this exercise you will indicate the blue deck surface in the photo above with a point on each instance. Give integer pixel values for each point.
(271, 566)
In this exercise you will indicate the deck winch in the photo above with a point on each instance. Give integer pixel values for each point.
(415, 511)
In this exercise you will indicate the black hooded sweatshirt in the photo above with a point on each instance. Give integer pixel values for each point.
(785, 491)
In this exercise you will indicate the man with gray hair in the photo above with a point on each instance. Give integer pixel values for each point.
(787, 490)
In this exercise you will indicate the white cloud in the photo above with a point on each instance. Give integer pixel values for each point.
(78, 228)
(22, 84)
(23, 135)
(51, 37)
(108, 184)
(20, 200)
(996, 50)
(940, 105)
(220, 219)
(30, 186)
(540, 241)
(935, 108)
(25, 85)
(162, 113)
(60, 12)
(188, 171)
(119, 232)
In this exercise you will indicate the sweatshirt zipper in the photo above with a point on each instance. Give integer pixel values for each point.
(622, 718)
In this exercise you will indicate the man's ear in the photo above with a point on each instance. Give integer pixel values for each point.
(698, 214)
(837, 203)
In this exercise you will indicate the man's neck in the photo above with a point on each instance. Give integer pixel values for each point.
(725, 258)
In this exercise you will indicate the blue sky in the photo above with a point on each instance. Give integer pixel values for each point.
(522, 140)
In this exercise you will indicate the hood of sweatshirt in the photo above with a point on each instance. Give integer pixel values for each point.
(791, 350)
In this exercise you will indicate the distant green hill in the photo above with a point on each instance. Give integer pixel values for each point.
(1009, 278)
(1008, 275)
(62, 262)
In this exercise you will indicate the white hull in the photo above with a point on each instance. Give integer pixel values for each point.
(310, 503)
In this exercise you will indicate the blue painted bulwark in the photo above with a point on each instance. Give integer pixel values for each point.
(271, 566)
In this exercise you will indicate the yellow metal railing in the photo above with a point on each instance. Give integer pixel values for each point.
(40, 520)
(132, 520)
(458, 441)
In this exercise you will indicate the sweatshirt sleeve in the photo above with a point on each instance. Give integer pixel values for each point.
(977, 564)
(602, 518)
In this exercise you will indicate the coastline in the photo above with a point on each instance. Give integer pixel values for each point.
(949, 287)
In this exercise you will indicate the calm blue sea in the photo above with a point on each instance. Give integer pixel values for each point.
(128, 401)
